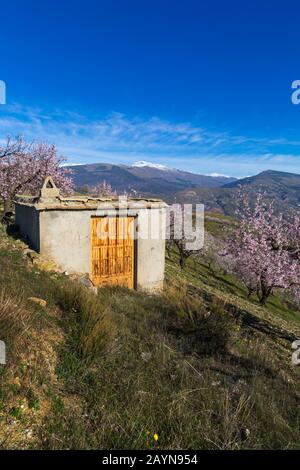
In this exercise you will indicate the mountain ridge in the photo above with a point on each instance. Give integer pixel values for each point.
(217, 193)
(282, 188)
(143, 178)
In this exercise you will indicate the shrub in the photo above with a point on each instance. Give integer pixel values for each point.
(199, 329)
(94, 325)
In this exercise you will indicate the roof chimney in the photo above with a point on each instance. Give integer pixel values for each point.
(49, 191)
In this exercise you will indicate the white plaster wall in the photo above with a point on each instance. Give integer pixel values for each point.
(65, 237)
(151, 249)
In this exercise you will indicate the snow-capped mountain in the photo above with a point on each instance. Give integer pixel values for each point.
(216, 191)
(218, 175)
(142, 164)
(72, 164)
(145, 177)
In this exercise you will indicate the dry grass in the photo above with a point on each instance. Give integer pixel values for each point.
(95, 329)
(182, 369)
(15, 319)
(200, 329)
(109, 371)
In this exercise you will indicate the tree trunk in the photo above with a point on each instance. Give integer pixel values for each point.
(7, 206)
(250, 292)
(263, 299)
(7, 212)
(264, 294)
(182, 260)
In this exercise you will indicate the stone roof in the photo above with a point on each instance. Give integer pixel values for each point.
(50, 199)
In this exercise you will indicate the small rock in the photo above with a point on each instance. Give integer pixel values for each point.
(86, 282)
(216, 383)
(32, 255)
(145, 356)
(12, 422)
(245, 433)
(38, 301)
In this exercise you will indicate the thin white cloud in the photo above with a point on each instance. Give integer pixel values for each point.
(118, 138)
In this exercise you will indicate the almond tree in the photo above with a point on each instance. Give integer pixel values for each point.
(180, 235)
(13, 147)
(103, 189)
(265, 249)
(24, 166)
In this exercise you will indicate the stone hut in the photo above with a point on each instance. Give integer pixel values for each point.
(112, 240)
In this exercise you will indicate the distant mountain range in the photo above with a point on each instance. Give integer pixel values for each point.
(144, 177)
(280, 187)
(216, 192)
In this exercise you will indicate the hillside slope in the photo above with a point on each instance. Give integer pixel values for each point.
(281, 188)
(199, 365)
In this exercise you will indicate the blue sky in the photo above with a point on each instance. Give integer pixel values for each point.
(198, 85)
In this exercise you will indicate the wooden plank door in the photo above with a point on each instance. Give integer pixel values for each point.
(112, 251)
